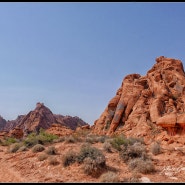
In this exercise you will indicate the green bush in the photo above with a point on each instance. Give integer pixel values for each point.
(38, 148)
(8, 141)
(117, 141)
(69, 158)
(41, 138)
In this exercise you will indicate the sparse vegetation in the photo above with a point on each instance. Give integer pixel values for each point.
(42, 157)
(70, 139)
(93, 160)
(109, 177)
(41, 138)
(141, 166)
(89, 151)
(69, 158)
(137, 150)
(8, 141)
(155, 148)
(53, 161)
(38, 148)
(14, 147)
(117, 141)
(22, 148)
(51, 150)
(94, 167)
(107, 146)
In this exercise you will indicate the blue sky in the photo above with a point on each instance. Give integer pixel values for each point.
(73, 56)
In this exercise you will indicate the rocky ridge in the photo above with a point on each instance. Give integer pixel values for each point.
(40, 117)
(145, 105)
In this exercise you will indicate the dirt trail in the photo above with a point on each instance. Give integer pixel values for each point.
(7, 173)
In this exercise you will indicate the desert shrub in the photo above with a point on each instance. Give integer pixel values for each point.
(70, 139)
(135, 177)
(91, 139)
(82, 133)
(42, 157)
(93, 160)
(51, 150)
(107, 146)
(41, 138)
(91, 152)
(59, 140)
(155, 148)
(132, 140)
(38, 148)
(117, 141)
(14, 147)
(94, 167)
(45, 137)
(8, 141)
(141, 166)
(109, 177)
(137, 150)
(31, 140)
(53, 161)
(22, 148)
(102, 139)
(69, 158)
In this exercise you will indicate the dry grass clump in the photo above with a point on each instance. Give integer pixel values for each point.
(109, 177)
(42, 157)
(13, 147)
(94, 167)
(69, 158)
(141, 166)
(93, 160)
(107, 146)
(38, 148)
(22, 148)
(137, 150)
(51, 150)
(70, 139)
(155, 148)
(53, 161)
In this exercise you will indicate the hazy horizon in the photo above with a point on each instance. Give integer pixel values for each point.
(73, 56)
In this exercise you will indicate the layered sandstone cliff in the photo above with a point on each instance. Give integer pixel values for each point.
(146, 103)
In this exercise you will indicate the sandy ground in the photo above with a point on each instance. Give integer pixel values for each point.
(25, 166)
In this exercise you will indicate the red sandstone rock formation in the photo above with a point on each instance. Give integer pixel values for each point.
(59, 130)
(2, 122)
(71, 122)
(41, 117)
(145, 103)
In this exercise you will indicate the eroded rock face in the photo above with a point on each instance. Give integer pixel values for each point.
(41, 117)
(155, 99)
(2, 122)
(59, 130)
